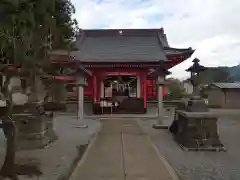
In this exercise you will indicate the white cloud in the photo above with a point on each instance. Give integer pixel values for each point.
(210, 26)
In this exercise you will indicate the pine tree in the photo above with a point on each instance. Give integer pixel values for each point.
(29, 29)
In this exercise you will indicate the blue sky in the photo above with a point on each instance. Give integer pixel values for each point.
(210, 26)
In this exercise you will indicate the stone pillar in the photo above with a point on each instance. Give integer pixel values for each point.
(138, 87)
(80, 102)
(160, 97)
(159, 125)
(80, 113)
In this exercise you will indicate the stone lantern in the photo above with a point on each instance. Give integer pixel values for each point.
(196, 103)
(160, 74)
(195, 127)
(81, 77)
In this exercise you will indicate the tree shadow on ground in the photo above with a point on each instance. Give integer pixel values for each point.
(25, 167)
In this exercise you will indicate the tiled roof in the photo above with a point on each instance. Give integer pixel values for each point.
(227, 85)
(127, 45)
(120, 49)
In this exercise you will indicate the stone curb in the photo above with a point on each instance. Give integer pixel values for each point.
(168, 167)
(73, 176)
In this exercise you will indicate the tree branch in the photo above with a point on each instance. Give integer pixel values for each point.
(7, 36)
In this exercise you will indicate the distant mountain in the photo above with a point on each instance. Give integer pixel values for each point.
(234, 73)
(220, 74)
(215, 74)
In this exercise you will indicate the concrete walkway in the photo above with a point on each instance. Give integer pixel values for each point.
(122, 151)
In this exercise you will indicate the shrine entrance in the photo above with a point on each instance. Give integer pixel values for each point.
(115, 86)
(120, 94)
(127, 65)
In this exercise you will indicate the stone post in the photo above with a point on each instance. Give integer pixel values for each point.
(159, 125)
(160, 98)
(80, 113)
(80, 102)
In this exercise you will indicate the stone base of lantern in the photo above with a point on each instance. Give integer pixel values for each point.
(81, 123)
(197, 131)
(55, 106)
(82, 126)
(196, 104)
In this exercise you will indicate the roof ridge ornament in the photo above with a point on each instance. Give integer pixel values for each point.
(161, 30)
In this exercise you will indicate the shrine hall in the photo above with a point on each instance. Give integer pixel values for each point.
(125, 67)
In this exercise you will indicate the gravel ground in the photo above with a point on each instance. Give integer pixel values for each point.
(200, 165)
(56, 160)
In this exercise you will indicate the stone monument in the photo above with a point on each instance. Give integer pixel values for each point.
(33, 126)
(35, 129)
(195, 127)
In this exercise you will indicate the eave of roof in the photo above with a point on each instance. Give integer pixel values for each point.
(168, 51)
(69, 60)
(178, 51)
(227, 85)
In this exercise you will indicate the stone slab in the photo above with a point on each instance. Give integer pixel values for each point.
(141, 160)
(104, 159)
(121, 151)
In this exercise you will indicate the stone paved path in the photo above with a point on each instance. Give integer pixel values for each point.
(122, 151)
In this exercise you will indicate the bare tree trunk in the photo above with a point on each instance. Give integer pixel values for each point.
(8, 169)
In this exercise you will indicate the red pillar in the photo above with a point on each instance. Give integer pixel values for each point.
(94, 88)
(145, 94)
(98, 79)
(143, 89)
